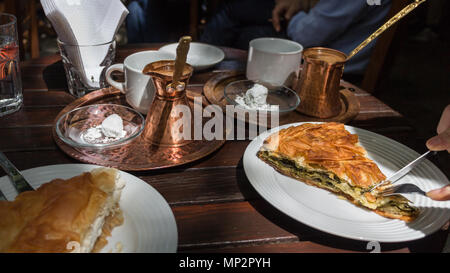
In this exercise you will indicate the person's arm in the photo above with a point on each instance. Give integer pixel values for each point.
(326, 21)
(441, 142)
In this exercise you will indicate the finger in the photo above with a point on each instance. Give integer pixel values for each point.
(444, 123)
(290, 12)
(276, 17)
(440, 142)
(442, 194)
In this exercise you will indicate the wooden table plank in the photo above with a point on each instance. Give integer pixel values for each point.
(201, 186)
(32, 159)
(32, 117)
(58, 98)
(295, 247)
(226, 224)
(27, 139)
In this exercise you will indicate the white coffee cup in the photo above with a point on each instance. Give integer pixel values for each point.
(138, 88)
(274, 61)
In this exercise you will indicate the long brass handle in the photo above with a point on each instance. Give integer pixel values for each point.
(180, 61)
(386, 25)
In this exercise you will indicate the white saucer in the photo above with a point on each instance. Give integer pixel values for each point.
(201, 56)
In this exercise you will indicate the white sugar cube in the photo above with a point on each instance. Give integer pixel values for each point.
(112, 126)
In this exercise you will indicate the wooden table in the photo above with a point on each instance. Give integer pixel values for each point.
(215, 207)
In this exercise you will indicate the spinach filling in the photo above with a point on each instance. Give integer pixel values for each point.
(325, 179)
(397, 204)
(399, 207)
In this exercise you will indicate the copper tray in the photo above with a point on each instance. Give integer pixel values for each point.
(214, 87)
(135, 156)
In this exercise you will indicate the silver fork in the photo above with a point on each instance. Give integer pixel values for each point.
(401, 188)
(17, 179)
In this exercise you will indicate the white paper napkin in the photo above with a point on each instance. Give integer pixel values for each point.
(86, 22)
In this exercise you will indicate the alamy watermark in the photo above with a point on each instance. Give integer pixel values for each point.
(190, 125)
(374, 246)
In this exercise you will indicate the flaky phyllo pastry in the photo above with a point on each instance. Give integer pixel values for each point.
(329, 157)
(73, 215)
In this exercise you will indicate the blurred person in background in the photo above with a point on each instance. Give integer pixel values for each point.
(156, 21)
(337, 24)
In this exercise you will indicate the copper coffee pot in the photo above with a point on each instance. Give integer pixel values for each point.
(163, 119)
(318, 87)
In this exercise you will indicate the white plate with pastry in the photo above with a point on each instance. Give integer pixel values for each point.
(76, 212)
(320, 173)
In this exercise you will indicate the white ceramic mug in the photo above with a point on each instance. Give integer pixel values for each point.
(138, 88)
(274, 61)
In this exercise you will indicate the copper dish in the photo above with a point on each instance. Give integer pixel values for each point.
(137, 155)
(213, 90)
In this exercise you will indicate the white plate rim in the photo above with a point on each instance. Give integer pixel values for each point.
(168, 240)
(290, 203)
(168, 48)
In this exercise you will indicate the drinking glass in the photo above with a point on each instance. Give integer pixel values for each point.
(86, 65)
(11, 98)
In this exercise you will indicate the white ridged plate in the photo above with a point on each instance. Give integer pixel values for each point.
(323, 210)
(149, 224)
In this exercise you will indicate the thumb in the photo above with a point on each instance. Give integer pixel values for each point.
(440, 142)
(441, 194)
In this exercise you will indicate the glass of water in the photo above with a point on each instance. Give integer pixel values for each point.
(10, 81)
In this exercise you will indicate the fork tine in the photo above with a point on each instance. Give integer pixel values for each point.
(386, 189)
(387, 192)
(401, 188)
(392, 190)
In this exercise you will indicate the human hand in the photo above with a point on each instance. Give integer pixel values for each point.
(441, 142)
(442, 194)
(284, 9)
